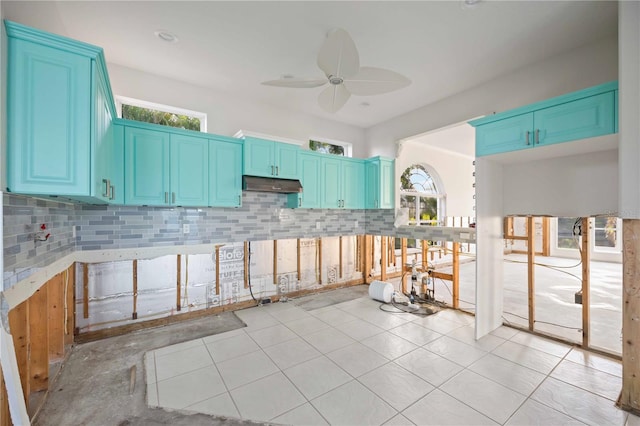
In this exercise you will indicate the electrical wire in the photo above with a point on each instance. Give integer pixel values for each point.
(249, 274)
(541, 322)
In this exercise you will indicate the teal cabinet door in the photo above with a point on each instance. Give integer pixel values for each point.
(583, 118)
(509, 134)
(225, 170)
(372, 184)
(286, 160)
(146, 167)
(332, 182)
(379, 183)
(189, 171)
(116, 166)
(48, 120)
(259, 157)
(101, 138)
(353, 189)
(311, 179)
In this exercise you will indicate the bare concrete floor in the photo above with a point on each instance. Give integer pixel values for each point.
(93, 386)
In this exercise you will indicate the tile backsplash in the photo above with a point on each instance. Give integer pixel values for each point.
(263, 216)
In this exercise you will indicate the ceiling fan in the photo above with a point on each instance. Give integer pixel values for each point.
(339, 60)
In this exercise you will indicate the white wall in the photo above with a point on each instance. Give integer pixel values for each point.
(584, 67)
(572, 186)
(629, 107)
(227, 114)
(456, 172)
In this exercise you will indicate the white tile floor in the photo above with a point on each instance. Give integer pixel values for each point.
(353, 364)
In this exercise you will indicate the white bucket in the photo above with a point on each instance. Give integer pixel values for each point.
(380, 290)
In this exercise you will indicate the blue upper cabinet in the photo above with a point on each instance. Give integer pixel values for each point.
(310, 165)
(225, 173)
(59, 116)
(342, 184)
(165, 167)
(588, 113)
(147, 164)
(267, 158)
(48, 115)
(189, 175)
(379, 183)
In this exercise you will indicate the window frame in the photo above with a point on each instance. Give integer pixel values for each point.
(440, 197)
(348, 147)
(123, 100)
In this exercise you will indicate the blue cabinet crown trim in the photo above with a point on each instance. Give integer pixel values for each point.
(175, 130)
(569, 97)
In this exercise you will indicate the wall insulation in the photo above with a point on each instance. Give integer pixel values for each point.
(275, 267)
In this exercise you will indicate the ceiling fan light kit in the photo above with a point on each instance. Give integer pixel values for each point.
(339, 60)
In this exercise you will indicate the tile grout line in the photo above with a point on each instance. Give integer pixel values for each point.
(228, 392)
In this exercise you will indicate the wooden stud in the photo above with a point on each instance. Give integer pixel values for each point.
(383, 258)
(403, 259)
(132, 379)
(320, 260)
(19, 324)
(246, 264)
(275, 262)
(340, 254)
(630, 395)
(367, 264)
(546, 237)
(178, 281)
(5, 416)
(393, 250)
(38, 341)
(85, 290)
(425, 249)
(586, 272)
(134, 315)
(373, 254)
(56, 317)
(70, 303)
(456, 275)
(298, 264)
(531, 269)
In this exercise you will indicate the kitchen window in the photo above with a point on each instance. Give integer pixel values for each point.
(164, 115)
(421, 193)
(330, 147)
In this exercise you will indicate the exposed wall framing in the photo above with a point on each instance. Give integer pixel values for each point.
(42, 331)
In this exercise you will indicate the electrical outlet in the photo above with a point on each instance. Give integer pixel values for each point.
(73, 231)
(185, 228)
(355, 224)
(318, 226)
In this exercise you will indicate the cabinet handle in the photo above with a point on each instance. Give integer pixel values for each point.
(239, 199)
(106, 188)
(113, 192)
(166, 197)
(537, 136)
(300, 202)
(528, 138)
(173, 198)
(276, 170)
(271, 170)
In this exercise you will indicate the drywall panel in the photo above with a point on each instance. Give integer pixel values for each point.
(489, 243)
(228, 114)
(572, 186)
(455, 171)
(629, 108)
(580, 68)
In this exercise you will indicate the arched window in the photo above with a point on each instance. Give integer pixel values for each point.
(422, 193)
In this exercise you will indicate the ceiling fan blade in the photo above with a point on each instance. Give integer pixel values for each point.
(333, 98)
(299, 83)
(338, 55)
(375, 81)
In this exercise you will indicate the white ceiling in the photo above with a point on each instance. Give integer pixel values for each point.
(443, 47)
(460, 138)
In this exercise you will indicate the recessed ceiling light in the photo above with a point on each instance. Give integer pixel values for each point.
(470, 4)
(287, 76)
(365, 104)
(166, 36)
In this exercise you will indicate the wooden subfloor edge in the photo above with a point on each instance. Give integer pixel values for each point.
(91, 336)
